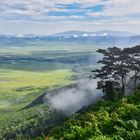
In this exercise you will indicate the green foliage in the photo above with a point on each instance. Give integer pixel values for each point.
(106, 120)
(120, 69)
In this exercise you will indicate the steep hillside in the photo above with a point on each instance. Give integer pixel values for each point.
(104, 121)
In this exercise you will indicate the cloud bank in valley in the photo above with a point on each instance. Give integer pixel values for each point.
(70, 100)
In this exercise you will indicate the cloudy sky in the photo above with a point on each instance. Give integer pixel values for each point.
(51, 16)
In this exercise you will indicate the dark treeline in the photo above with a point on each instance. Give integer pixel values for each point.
(120, 70)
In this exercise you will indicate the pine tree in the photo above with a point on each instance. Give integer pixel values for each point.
(114, 70)
(134, 64)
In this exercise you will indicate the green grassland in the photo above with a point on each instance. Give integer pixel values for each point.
(20, 88)
(40, 48)
(62, 54)
(30, 70)
(22, 83)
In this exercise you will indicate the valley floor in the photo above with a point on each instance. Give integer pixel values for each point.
(20, 88)
(30, 69)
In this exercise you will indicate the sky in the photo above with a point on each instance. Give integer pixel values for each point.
(45, 17)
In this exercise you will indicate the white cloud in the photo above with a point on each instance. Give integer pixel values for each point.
(41, 5)
(36, 8)
(119, 8)
(116, 14)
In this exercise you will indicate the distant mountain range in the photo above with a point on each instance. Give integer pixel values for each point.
(75, 34)
(98, 33)
(104, 37)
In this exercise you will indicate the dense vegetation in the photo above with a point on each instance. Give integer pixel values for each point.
(120, 71)
(115, 118)
(107, 120)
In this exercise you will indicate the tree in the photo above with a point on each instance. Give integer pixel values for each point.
(134, 64)
(115, 70)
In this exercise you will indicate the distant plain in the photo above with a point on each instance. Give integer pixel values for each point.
(30, 70)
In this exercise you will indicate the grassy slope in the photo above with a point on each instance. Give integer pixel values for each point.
(14, 85)
(19, 88)
(24, 79)
(103, 121)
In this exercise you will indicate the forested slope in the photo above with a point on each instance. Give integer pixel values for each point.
(107, 120)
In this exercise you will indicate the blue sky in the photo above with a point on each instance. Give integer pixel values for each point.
(51, 16)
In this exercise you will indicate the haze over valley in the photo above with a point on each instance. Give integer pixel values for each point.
(66, 67)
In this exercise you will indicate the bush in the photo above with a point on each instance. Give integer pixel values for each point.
(119, 120)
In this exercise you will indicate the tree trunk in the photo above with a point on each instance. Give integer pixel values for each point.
(135, 82)
(123, 87)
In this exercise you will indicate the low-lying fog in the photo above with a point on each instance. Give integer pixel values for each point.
(71, 100)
